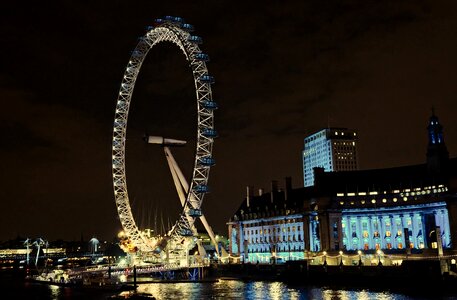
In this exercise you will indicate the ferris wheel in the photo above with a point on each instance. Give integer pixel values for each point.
(191, 193)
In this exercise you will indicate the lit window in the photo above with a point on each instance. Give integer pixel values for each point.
(373, 201)
(384, 200)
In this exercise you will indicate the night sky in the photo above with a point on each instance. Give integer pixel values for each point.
(283, 70)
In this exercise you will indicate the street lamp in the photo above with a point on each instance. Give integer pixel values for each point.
(341, 258)
(379, 252)
(360, 257)
(325, 257)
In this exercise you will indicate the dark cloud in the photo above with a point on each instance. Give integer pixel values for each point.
(283, 70)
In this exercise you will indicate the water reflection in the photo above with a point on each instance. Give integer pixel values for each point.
(233, 289)
(339, 294)
(172, 290)
(223, 289)
(55, 291)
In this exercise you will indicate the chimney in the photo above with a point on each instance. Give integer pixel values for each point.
(249, 195)
(274, 185)
(288, 187)
(274, 189)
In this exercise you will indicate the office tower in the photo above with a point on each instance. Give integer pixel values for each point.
(333, 149)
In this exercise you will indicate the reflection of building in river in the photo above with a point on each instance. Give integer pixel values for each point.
(396, 210)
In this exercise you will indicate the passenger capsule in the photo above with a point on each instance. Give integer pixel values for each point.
(136, 53)
(158, 21)
(207, 79)
(195, 212)
(187, 27)
(210, 133)
(178, 20)
(185, 232)
(195, 39)
(207, 161)
(201, 188)
(202, 57)
(209, 105)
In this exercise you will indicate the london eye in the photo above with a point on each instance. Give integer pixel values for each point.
(191, 192)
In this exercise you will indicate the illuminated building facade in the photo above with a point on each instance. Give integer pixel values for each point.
(333, 149)
(274, 233)
(396, 210)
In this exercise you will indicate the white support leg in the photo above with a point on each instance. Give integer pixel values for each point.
(180, 189)
(185, 185)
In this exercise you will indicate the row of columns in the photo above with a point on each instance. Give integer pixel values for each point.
(413, 221)
(325, 223)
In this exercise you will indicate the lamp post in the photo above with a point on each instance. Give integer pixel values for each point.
(325, 257)
(341, 257)
(379, 252)
(360, 257)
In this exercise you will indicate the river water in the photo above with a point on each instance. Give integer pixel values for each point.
(223, 289)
